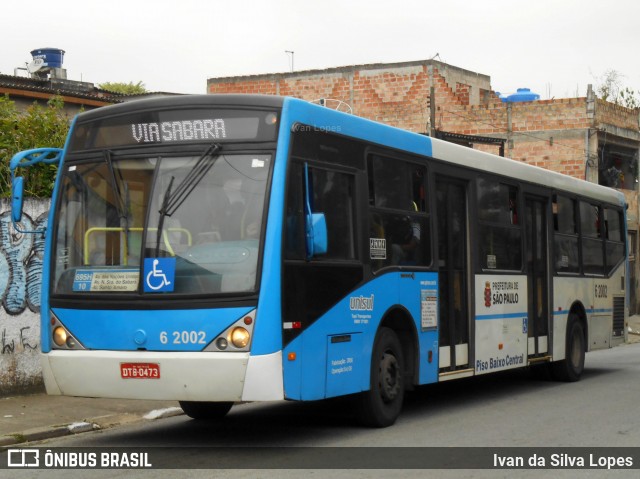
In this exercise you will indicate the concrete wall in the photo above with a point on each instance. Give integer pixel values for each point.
(20, 287)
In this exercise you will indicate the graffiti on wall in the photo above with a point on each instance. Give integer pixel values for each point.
(21, 264)
(21, 258)
(9, 346)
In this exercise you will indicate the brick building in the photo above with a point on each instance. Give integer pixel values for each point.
(582, 137)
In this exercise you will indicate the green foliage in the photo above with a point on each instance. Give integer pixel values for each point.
(124, 88)
(37, 127)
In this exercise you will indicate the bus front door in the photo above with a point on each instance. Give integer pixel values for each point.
(537, 276)
(451, 210)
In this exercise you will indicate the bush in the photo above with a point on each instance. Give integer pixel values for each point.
(38, 127)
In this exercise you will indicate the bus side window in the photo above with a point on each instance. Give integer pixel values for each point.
(565, 235)
(331, 193)
(398, 215)
(614, 236)
(499, 228)
(591, 239)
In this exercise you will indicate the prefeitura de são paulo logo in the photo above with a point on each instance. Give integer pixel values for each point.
(487, 294)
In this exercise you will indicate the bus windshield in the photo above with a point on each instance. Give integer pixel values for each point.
(113, 216)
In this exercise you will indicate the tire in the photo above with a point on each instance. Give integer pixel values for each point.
(571, 367)
(380, 406)
(205, 411)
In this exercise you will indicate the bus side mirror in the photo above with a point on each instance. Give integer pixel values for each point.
(24, 159)
(317, 242)
(17, 189)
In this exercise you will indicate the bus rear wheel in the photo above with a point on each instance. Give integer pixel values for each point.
(205, 411)
(570, 368)
(381, 405)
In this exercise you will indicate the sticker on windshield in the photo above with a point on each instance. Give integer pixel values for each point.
(159, 275)
(106, 280)
(378, 248)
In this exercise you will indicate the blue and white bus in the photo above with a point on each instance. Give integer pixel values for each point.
(224, 248)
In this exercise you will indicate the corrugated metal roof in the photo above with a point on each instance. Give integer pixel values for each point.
(71, 88)
(62, 87)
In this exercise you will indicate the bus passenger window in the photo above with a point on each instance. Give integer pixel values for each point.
(590, 220)
(591, 244)
(564, 215)
(499, 229)
(565, 238)
(614, 235)
(398, 215)
(418, 189)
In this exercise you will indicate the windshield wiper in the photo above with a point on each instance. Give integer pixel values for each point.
(163, 214)
(172, 200)
(121, 205)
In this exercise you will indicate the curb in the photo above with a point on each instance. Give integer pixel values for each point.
(98, 423)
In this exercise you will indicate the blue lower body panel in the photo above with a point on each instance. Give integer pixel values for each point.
(333, 355)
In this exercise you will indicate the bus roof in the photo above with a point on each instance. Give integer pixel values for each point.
(183, 101)
(385, 135)
(404, 140)
(528, 173)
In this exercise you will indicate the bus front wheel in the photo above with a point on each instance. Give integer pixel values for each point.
(206, 411)
(380, 406)
(570, 368)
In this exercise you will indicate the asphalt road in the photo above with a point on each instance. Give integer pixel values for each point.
(513, 409)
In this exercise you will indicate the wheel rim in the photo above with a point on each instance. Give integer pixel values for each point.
(389, 377)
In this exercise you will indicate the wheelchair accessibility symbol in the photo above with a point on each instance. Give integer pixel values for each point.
(159, 274)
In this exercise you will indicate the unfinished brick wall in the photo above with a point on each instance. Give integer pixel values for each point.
(548, 133)
(612, 114)
(396, 94)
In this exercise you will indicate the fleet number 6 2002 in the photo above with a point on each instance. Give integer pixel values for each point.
(183, 337)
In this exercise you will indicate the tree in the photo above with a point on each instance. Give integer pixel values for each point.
(124, 88)
(611, 89)
(39, 126)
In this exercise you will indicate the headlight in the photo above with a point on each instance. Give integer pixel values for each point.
(236, 337)
(60, 336)
(239, 337)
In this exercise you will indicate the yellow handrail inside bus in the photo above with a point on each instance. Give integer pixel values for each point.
(106, 229)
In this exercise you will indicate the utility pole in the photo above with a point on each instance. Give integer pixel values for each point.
(290, 52)
(432, 104)
(509, 130)
(432, 111)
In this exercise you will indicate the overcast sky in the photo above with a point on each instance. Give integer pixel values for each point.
(554, 47)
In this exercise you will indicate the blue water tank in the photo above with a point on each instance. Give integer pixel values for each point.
(52, 56)
(522, 94)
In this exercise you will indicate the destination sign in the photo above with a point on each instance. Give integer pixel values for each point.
(185, 130)
(175, 127)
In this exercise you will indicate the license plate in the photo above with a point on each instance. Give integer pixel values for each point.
(140, 370)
